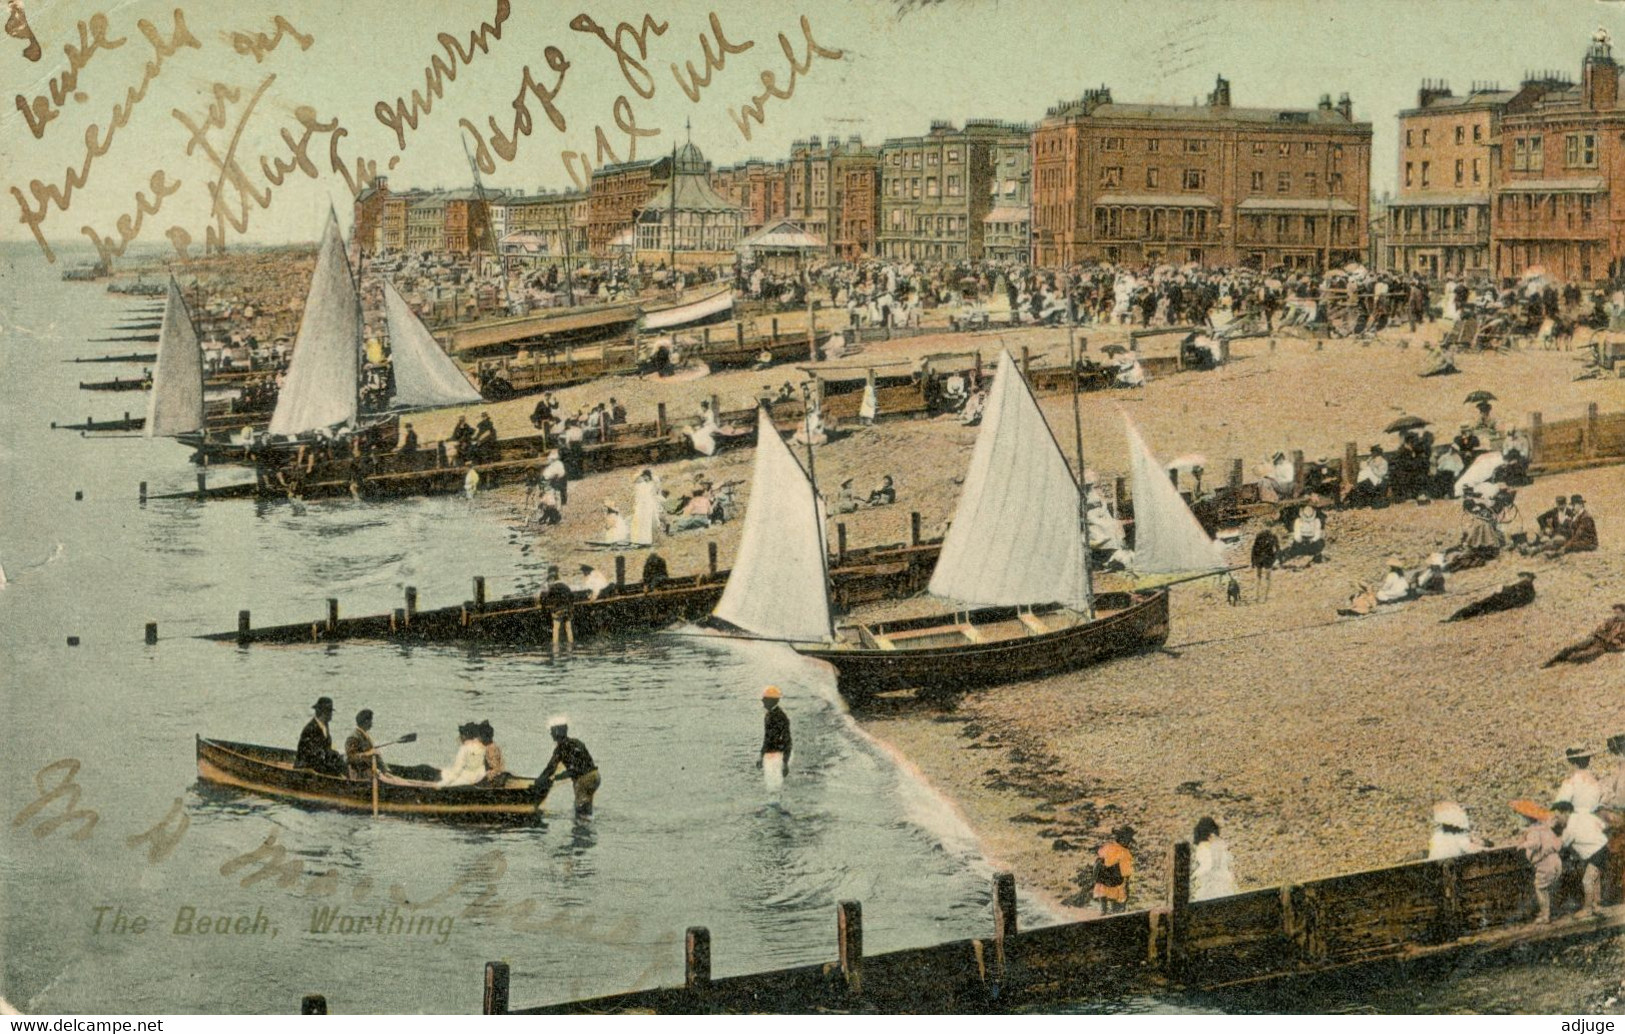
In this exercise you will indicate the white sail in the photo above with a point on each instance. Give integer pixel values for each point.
(425, 376)
(320, 390)
(1167, 537)
(1015, 537)
(778, 586)
(175, 405)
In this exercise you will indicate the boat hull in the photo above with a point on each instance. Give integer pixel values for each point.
(269, 772)
(1139, 621)
(687, 313)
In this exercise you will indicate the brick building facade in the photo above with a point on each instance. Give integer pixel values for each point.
(937, 190)
(618, 194)
(1213, 184)
(1557, 166)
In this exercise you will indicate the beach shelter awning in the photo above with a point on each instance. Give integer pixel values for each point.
(784, 235)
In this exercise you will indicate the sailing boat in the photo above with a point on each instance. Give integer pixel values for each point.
(1014, 557)
(1168, 540)
(778, 588)
(175, 406)
(321, 392)
(425, 376)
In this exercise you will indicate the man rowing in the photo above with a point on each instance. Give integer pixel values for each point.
(360, 754)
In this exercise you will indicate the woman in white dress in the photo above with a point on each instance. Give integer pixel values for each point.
(616, 530)
(468, 767)
(645, 508)
(1211, 876)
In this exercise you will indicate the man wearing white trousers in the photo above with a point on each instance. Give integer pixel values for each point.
(775, 759)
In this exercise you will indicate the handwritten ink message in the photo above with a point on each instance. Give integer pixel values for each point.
(240, 179)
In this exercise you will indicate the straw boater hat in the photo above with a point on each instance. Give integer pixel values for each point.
(1449, 813)
(1396, 563)
(771, 693)
(1436, 560)
(558, 722)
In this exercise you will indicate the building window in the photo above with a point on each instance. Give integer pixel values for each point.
(1309, 228)
(1283, 182)
(1152, 176)
(1461, 171)
(1195, 146)
(1580, 150)
(1537, 154)
(1310, 182)
(1153, 146)
(1281, 224)
(953, 186)
(931, 186)
(1259, 146)
(1284, 149)
(1193, 179)
(1478, 134)
(1308, 147)
(1409, 142)
(933, 159)
(914, 187)
(1424, 138)
(1111, 143)
(953, 154)
(1337, 152)
(1477, 174)
(1258, 181)
(1335, 184)
(897, 218)
(1111, 176)
(1409, 170)
(1425, 171)
(1461, 134)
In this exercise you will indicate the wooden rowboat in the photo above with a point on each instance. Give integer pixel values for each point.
(269, 772)
(990, 646)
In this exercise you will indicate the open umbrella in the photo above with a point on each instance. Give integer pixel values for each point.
(1405, 423)
(1113, 350)
(1479, 396)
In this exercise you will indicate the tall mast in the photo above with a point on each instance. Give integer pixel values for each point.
(487, 237)
(569, 256)
(673, 214)
(1083, 488)
(812, 477)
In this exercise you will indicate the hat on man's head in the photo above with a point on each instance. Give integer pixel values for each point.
(1527, 574)
(771, 693)
(1577, 500)
(1395, 562)
(323, 704)
(363, 716)
(1449, 813)
(1123, 835)
(558, 721)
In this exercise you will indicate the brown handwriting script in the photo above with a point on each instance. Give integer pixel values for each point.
(770, 87)
(403, 116)
(17, 28)
(40, 110)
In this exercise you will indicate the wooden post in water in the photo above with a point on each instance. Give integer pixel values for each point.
(313, 1005)
(397, 619)
(332, 614)
(1179, 903)
(411, 603)
(711, 557)
(840, 542)
(1534, 438)
(914, 528)
(242, 626)
(620, 572)
(1004, 928)
(440, 459)
(202, 484)
(494, 1002)
(697, 959)
(152, 633)
(849, 937)
(479, 590)
(143, 493)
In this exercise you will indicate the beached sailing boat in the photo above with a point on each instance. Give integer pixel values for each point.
(425, 376)
(175, 405)
(1168, 540)
(1013, 564)
(779, 585)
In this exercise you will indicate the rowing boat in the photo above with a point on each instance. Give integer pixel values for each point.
(269, 772)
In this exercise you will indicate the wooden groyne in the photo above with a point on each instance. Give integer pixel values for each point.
(856, 576)
(1478, 904)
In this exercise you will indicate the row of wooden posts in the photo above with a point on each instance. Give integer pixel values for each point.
(402, 616)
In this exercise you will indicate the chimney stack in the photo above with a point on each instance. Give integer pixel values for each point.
(1600, 76)
(1345, 107)
(1220, 97)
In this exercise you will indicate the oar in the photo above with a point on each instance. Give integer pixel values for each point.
(410, 737)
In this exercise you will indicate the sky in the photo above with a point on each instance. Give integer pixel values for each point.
(902, 65)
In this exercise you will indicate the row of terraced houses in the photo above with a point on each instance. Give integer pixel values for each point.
(1490, 182)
